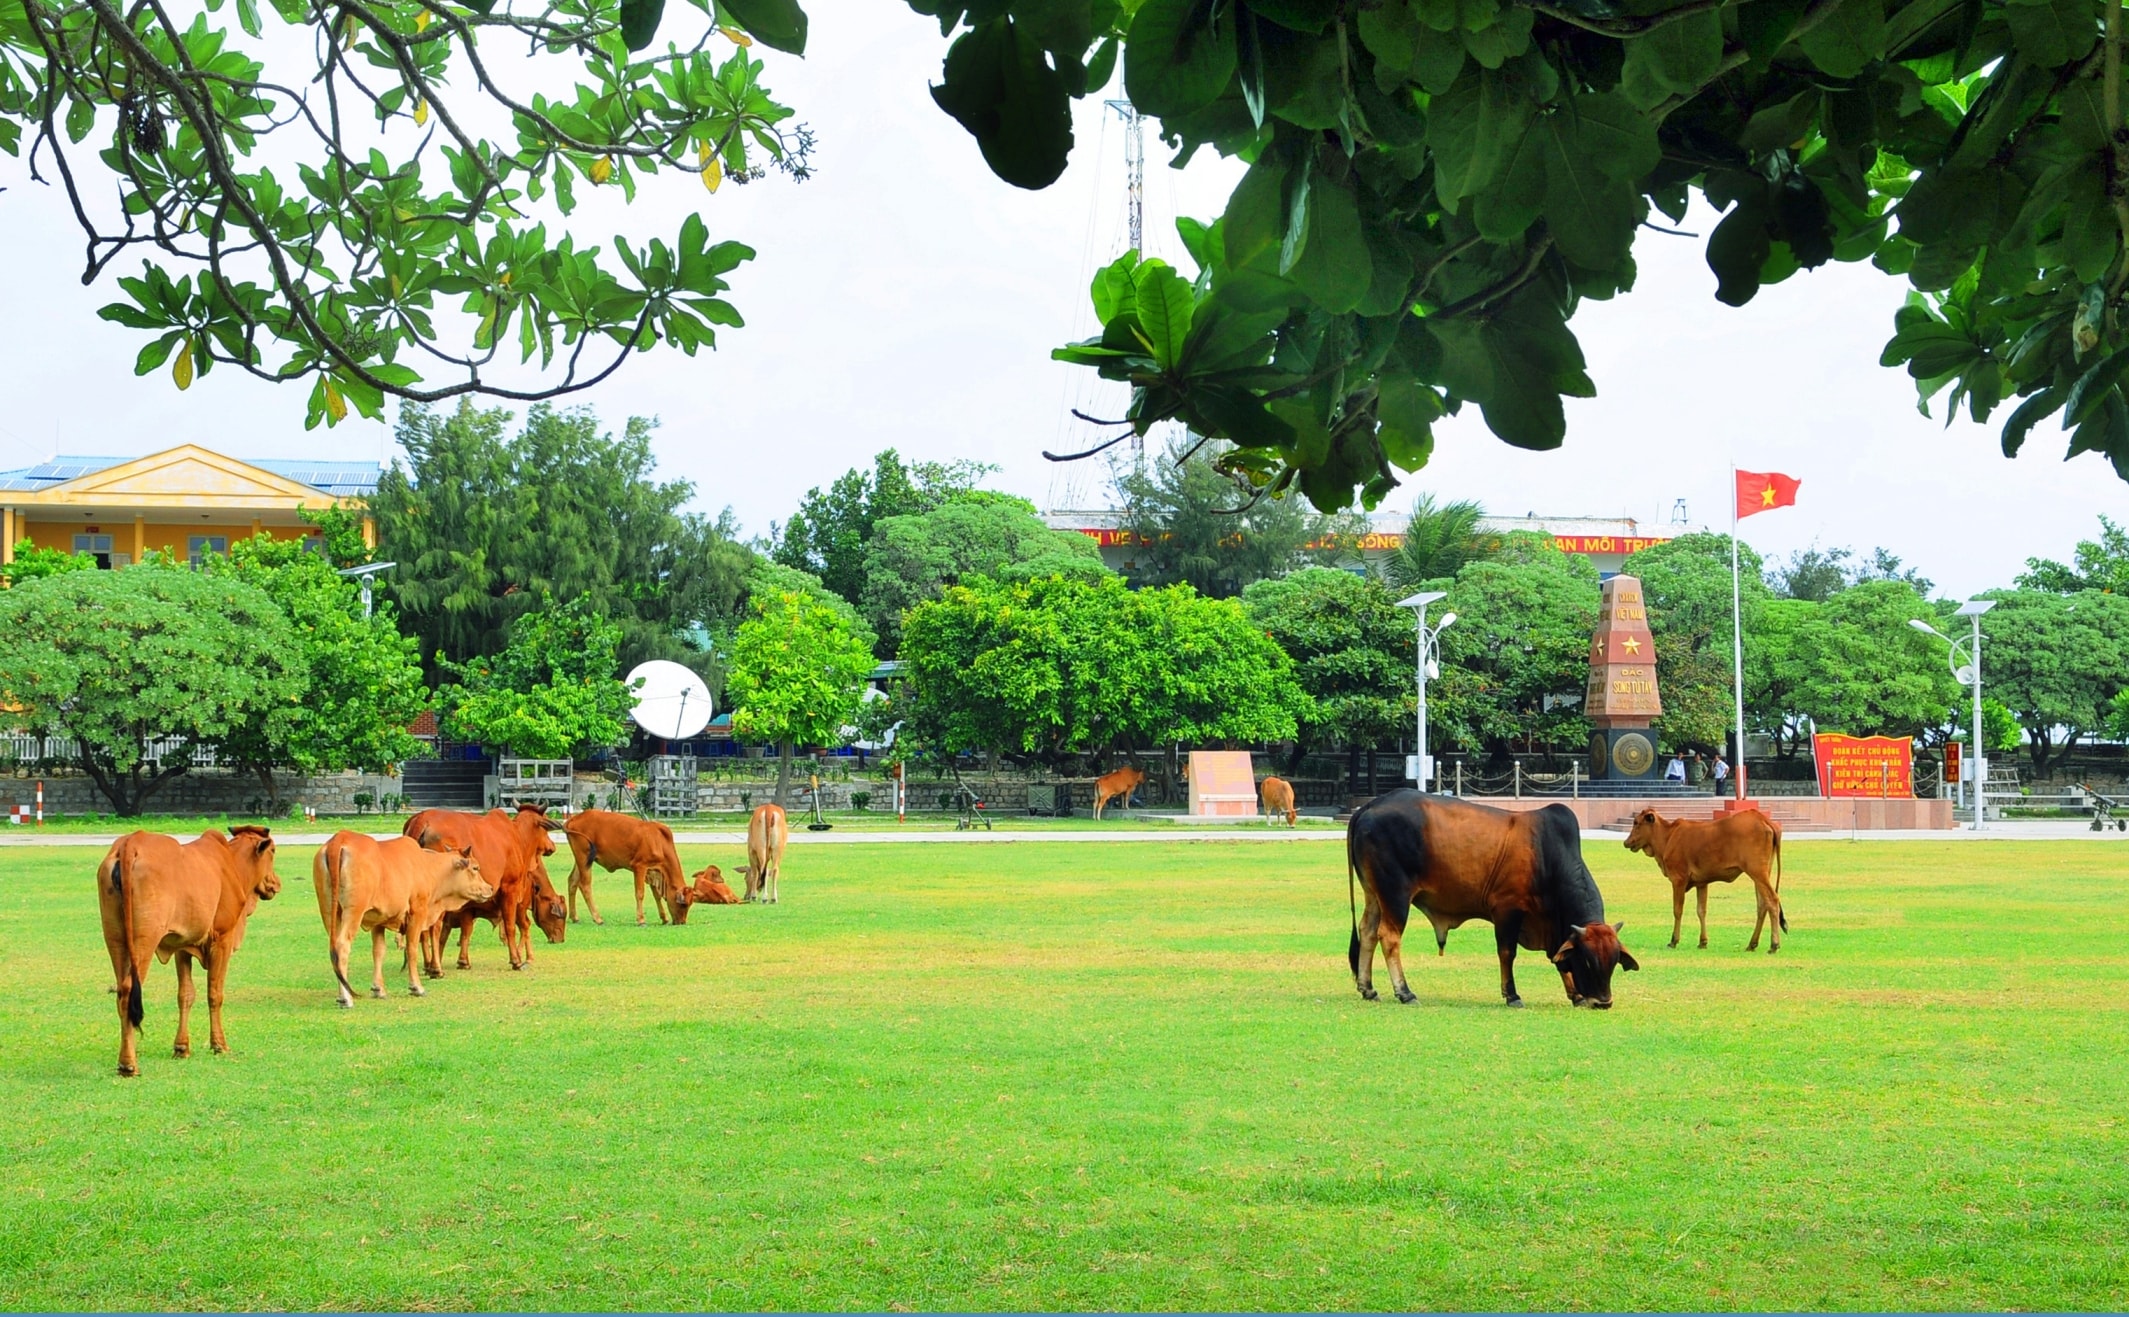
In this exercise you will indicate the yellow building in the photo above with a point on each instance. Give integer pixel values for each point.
(186, 502)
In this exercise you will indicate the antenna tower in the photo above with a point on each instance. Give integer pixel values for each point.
(1134, 171)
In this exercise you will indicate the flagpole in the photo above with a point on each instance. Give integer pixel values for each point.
(1737, 636)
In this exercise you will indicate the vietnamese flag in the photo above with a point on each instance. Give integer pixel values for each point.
(1759, 491)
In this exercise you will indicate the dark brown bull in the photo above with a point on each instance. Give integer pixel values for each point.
(1693, 854)
(1453, 861)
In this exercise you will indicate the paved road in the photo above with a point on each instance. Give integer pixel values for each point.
(2064, 830)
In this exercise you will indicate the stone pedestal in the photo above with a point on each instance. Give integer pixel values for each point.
(1622, 695)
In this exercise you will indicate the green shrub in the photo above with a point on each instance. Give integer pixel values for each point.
(860, 799)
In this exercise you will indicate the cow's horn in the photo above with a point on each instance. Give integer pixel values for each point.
(1619, 927)
(1578, 929)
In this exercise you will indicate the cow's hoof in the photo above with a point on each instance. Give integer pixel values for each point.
(129, 1072)
(417, 990)
(378, 993)
(221, 1049)
(181, 1051)
(347, 1003)
(1513, 1002)
(1406, 996)
(1674, 943)
(596, 920)
(1369, 994)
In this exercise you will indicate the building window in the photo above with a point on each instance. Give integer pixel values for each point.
(197, 547)
(96, 546)
(314, 544)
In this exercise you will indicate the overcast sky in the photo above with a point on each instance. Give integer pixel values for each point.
(905, 298)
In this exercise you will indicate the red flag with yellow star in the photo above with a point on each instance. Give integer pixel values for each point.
(1760, 491)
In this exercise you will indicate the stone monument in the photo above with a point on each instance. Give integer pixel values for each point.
(1622, 687)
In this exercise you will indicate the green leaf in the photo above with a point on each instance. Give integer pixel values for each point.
(1405, 412)
(1681, 56)
(1848, 39)
(1495, 45)
(2052, 32)
(2094, 387)
(639, 22)
(1737, 251)
(1472, 130)
(2090, 232)
(1334, 268)
(777, 24)
(1764, 26)
(999, 86)
(2028, 414)
(1164, 305)
(1256, 218)
(1179, 56)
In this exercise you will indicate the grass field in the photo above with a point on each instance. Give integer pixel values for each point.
(849, 820)
(1129, 1076)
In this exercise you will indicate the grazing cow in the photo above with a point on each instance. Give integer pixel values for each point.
(1694, 854)
(1122, 783)
(509, 848)
(161, 898)
(363, 883)
(767, 831)
(615, 842)
(1278, 798)
(709, 889)
(1454, 861)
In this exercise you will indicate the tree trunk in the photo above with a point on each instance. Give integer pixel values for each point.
(783, 774)
(273, 790)
(1371, 771)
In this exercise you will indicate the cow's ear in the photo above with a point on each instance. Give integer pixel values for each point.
(1626, 958)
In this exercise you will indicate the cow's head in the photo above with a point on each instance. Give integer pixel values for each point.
(254, 849)
(465, 884)
(1643, 837)
(710, 889)
(548, 909)
(1587, 958)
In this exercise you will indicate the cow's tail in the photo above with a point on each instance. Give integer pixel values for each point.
(136, 1006)
(1779, 912)
(341, 886)
(1352, 901)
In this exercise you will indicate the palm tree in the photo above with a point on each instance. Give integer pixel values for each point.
(1439, 540)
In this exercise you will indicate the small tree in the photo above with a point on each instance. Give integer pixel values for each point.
(554, 691)
(797, 676)
(33, 562)
(364, 677)
(914, 558)
(118, 660)
(1352, 649)
(1197, 525)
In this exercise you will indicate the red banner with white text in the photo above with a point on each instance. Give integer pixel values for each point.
(1871, 766)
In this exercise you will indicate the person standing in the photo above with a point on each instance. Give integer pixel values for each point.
(1722, 772)
(1696, 768)
(1675, 770)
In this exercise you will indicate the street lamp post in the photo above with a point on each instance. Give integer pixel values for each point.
(362, 577)
(1970, 676)
(1426, 647)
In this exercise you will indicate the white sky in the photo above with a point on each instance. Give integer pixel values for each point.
(906, 298)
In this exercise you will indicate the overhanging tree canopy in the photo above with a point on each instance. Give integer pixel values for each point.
(361, 197)
(1434, 186)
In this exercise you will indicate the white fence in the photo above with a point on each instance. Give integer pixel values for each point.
(23, 748)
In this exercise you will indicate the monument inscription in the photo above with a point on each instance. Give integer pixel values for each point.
(1622, 697)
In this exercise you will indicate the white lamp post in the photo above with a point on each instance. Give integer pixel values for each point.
(1969, 675)
(1427, 647)
(362, 577)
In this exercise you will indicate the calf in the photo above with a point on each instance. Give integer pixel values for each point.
(709, 889)
(1278, 798)
(767, 831)
(1122, 783)
(160, 897)
(1693, 854)
(363, 883)
(641, 846)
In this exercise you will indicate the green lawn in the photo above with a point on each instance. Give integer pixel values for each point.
(873, 820)
(1130, 1076)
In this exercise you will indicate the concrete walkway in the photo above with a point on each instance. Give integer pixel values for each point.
(2048, 830)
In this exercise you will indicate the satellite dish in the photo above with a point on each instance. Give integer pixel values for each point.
(672, 702)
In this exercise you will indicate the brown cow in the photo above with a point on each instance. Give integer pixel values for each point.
(509, 848)
(1109, 786)
(396, 884)
(641, 846)
(1454, 861)
(767, 831)
(192, 900)
(709, 889)
(1278, 798)
(1694, 854)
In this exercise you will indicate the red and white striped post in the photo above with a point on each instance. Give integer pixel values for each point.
(40, 802)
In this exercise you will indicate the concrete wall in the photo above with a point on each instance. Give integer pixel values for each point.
(203, 791)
